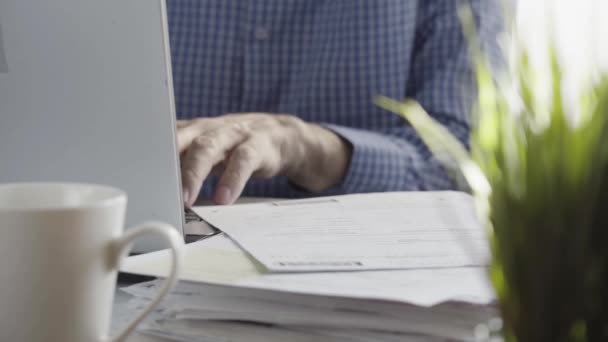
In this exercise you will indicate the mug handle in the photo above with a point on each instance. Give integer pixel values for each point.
(123, 246)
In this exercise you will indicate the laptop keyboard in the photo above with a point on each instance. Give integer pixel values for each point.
(191, 216)
(196, 228)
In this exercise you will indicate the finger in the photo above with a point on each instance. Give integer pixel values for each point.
(243, 161)
(218, 169)
(182, 123)
(188, 130)
(205, 151)
(186, 135)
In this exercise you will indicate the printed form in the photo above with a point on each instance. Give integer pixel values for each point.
(218, 260)
(395, 230)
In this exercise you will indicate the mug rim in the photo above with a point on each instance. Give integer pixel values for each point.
(114, 196)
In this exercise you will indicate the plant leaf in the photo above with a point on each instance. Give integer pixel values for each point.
(439, 140)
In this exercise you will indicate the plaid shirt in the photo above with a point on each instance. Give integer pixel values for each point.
(324, 61)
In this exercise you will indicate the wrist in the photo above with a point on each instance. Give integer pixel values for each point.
(324, 158)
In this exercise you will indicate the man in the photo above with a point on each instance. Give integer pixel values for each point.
(276, 97)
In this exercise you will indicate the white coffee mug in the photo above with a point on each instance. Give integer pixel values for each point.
(60, 248)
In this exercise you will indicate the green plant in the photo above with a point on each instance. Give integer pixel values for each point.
(539, 173)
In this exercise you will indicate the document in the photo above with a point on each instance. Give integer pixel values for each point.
(222, 283)
(219, 261)
(239, 331)
(395, 230)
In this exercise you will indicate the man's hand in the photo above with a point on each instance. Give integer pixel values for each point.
(241, 146)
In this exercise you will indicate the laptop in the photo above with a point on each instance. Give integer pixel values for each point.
(86, 95)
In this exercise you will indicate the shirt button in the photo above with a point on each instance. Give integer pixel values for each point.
(261, 33)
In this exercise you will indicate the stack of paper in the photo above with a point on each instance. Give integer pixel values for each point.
(228, 295)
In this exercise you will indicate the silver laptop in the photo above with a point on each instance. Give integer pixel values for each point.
(86, 96)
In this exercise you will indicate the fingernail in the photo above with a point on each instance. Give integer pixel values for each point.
(223, 195)
(186, 198)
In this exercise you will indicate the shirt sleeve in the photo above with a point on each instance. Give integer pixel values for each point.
(394, 158)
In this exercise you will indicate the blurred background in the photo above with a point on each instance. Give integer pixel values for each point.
(579, 28)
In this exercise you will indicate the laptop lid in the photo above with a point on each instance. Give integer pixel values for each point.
(86, 96)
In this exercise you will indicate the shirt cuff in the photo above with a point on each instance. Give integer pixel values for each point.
(377, 163)
(384, 162)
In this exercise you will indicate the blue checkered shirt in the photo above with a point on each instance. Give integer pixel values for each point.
(324, 61)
